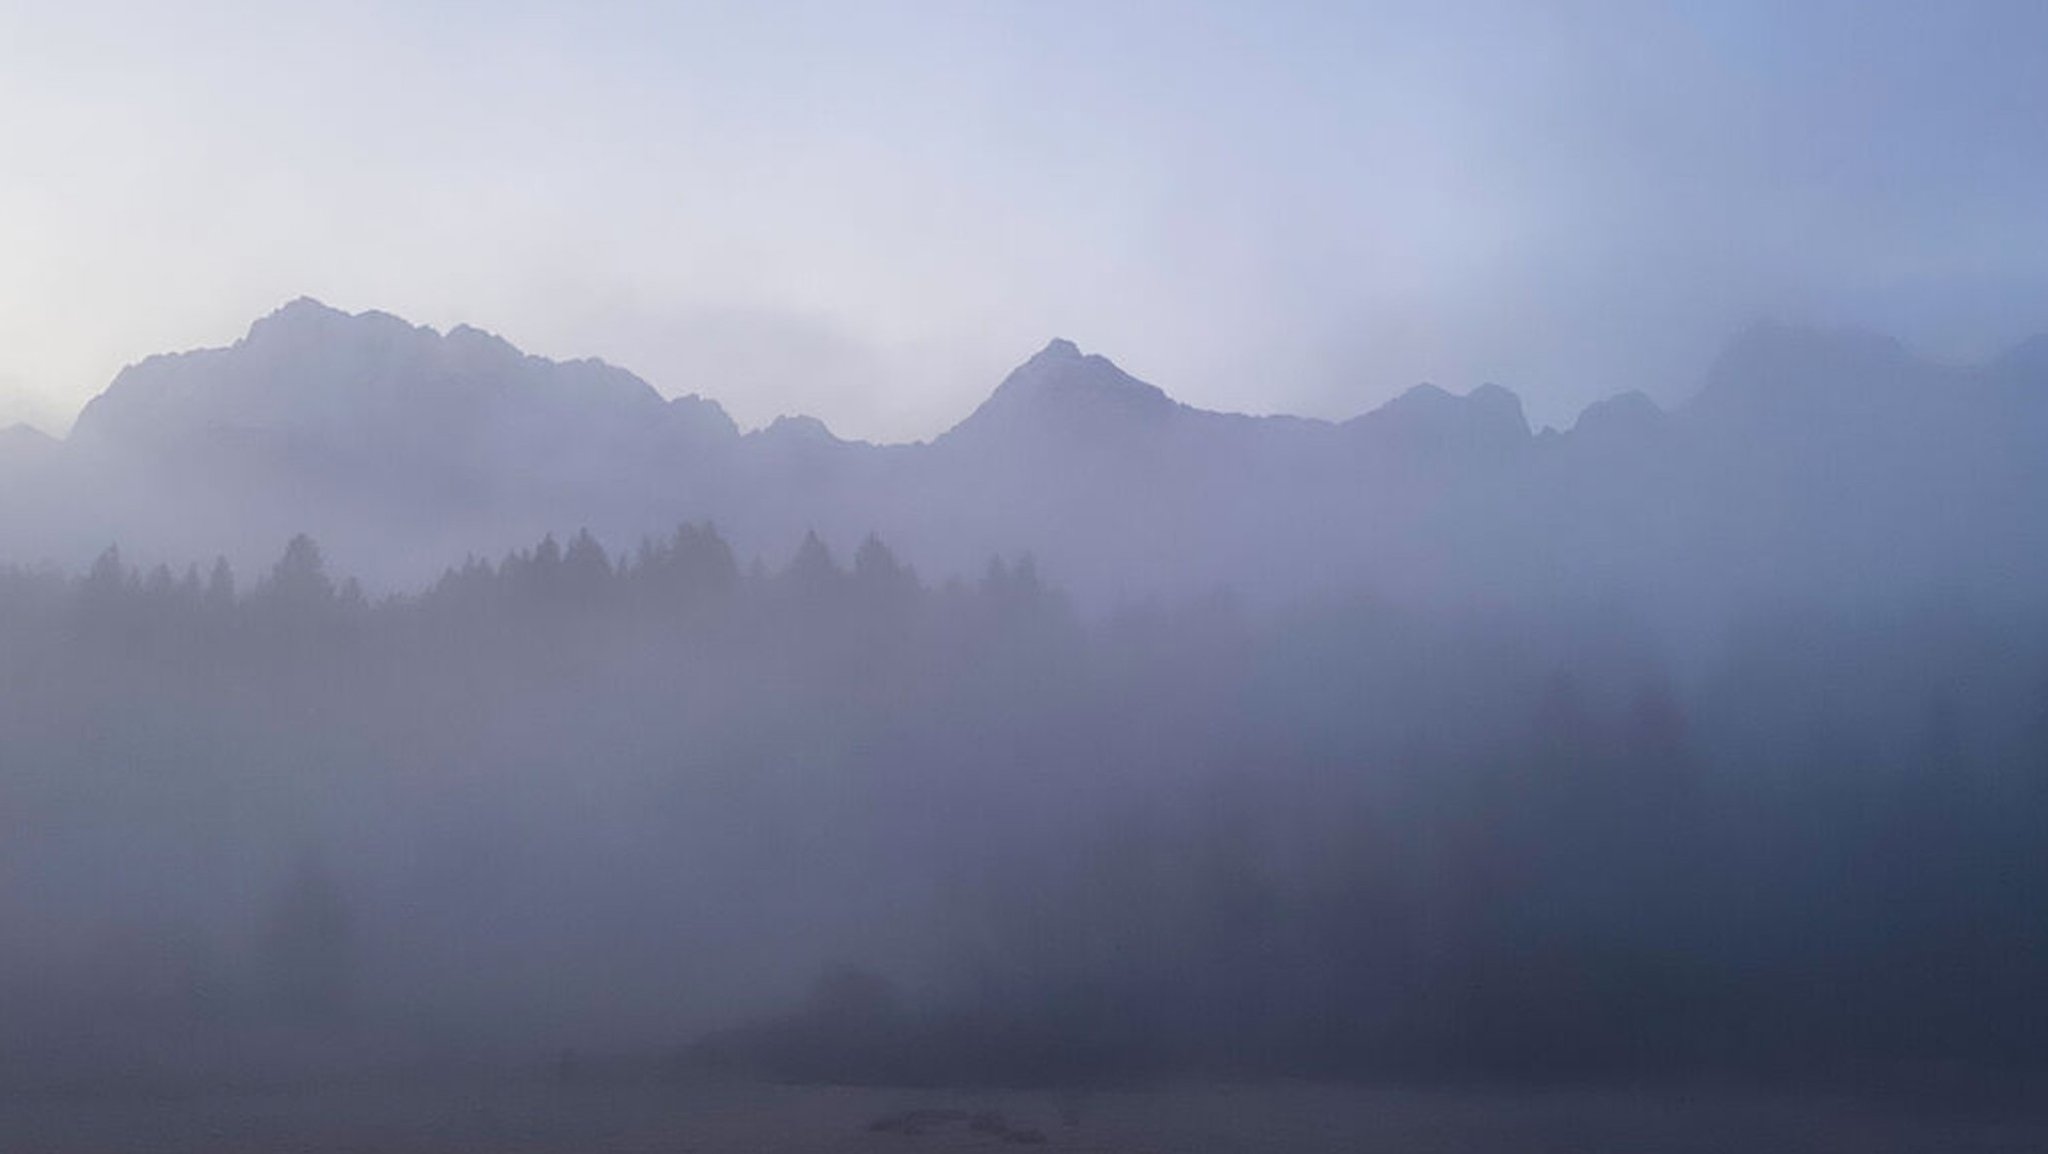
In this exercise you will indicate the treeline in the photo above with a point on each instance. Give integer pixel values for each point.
(609, 802)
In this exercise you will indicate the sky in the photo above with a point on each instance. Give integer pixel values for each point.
(869, 212)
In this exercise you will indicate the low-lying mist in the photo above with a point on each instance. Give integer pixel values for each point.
(829, 821)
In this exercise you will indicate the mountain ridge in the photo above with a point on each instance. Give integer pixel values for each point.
(1060, 372)
(1755, 368)
(395, 441)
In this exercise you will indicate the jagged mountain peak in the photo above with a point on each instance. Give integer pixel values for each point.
(1061, 367)
(1430, 418)
(298, 312)
(301, 309)
(309, 370)
(307, 321)
(1064, 392)
(798, 429)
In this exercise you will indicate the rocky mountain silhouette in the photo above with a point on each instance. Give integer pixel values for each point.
(1807, 460)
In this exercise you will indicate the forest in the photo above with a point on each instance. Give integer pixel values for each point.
(827, 821)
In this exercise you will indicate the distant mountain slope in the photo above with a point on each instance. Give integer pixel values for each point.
(23, 444)
(1808, 461)
(371, 389)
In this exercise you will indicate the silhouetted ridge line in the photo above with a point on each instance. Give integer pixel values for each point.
(1809, 459)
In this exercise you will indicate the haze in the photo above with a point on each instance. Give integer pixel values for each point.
(868, 214)
(889, 579)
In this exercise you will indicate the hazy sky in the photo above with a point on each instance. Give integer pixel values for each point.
(870, 211)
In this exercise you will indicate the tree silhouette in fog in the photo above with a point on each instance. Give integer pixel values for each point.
(1334, 838)
(308, 947)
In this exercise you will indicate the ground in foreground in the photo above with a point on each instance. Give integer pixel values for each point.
(547, 1118)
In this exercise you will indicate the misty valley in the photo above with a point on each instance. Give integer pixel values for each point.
(1423, 755)
(925, 577)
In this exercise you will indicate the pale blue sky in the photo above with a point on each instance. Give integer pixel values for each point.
(870, 211)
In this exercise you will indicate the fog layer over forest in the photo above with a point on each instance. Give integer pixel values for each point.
(601, 804)
(1422, 745)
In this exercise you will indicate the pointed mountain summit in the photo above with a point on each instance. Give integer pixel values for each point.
(1066, 394)
(796, 429)
(304, 320)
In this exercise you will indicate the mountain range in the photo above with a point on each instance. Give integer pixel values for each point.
(1809, 463)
